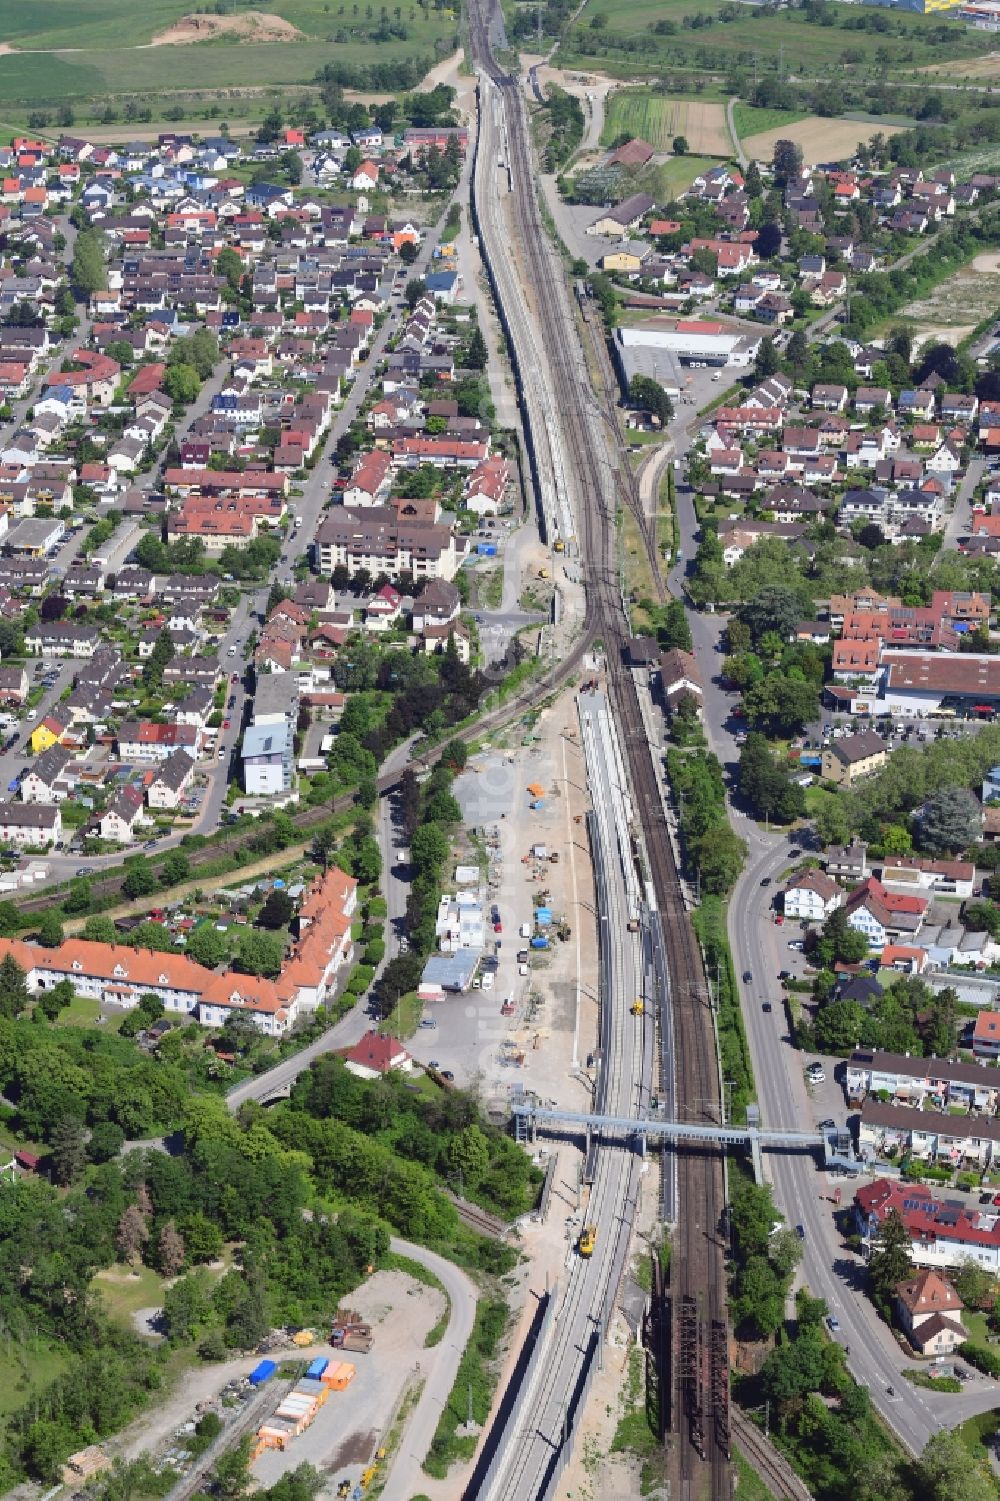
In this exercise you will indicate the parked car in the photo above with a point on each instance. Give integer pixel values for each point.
(832, 1322)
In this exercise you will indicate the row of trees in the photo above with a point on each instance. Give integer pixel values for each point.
(715, 853)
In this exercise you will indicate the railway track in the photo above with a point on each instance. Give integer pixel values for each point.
(696, 1389)
(777, 1474)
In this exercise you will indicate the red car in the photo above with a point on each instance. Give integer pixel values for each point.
(498, 927)
(225, 724)
(235, 678)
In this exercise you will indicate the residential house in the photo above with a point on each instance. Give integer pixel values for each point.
(811, 896)
(855, 756)
(30, 825)
(377, 1054)
(125, 810)
(880, 914)
(930, 1312)
(170, 781)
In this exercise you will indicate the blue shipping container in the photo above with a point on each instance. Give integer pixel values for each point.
(262, 1372)
(543, 914)
(317, 1368)
(539, 943)
(486, 549)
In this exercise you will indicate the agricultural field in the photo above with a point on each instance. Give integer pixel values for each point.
(638, 30)
(821, 139)
(658, 119)
(108, 48)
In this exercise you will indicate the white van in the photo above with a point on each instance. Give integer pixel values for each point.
(488, 979)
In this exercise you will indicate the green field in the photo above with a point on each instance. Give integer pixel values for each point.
(639, 112)
(749, 121)
(809, 50)
(114, 59)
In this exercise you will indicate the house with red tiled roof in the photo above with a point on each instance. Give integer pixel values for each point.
(930, 1312)
(880, 914)
(377, 1055)
(121, 975)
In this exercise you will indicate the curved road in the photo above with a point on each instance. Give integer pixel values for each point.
(406, 1478)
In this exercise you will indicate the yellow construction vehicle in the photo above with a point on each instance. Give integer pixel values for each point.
(588, 1239)
(638, 1006)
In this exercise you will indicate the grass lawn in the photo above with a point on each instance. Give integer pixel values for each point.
(83, 1011)
(750, 121)
(665, 181)
(35, 1363)
(125, 1290)
(404, 1018)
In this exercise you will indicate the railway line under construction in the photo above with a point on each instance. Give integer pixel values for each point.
(690, 1330)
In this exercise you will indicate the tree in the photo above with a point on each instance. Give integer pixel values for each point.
(416, 288)
(781, 704)
(718, 856)
(786, 162)
(139, 880)
(973, 1284)
(68, 1154)
(680, 146)
(202, 1238)
(759, 1298)
(50, 929)
(840, 943)
(291, 163)
(106, 1140)
(260, 953)
(14, 993)
(99, 930)
(132, 1233)
(182, 384)
(768, 243)
(229, 265)
(170, 1250)
(206, 945)
(946, 1472)
(889, 1262)
(777, 607)
(51, 1002)
(469, 1155)
(10, 920)
(476, 354)
(649, 395)
(833, 823)
(768, 361)
(277, 911)
(88, 271)
(839, 1027)
(950, 821)
(176, 868)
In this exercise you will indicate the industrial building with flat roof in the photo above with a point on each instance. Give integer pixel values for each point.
(694, 341)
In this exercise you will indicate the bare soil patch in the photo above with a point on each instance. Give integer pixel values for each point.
(822, 140)
(251, 26)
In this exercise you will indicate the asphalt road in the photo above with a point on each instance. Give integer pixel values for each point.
(406, 1478)
(960, 520)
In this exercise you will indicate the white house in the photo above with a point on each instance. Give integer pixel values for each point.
(812, 896)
